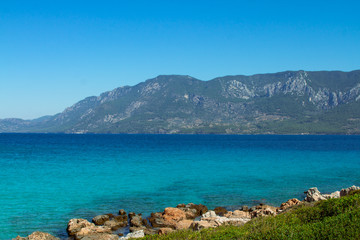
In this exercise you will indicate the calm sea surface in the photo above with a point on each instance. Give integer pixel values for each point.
(47, 179)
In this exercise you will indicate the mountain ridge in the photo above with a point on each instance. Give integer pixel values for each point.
(288, 102)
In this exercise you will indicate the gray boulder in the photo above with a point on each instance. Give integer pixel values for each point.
(346, 191)
(137, 234)
(203, 224)
(313, 195)
(209, 214)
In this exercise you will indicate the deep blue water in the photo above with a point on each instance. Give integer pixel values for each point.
(47, 179)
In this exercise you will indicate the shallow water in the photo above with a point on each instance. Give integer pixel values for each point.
(47, 179)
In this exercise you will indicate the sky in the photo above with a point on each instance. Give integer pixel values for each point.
(55, 53)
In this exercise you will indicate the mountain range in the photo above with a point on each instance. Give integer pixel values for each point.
(290, 102)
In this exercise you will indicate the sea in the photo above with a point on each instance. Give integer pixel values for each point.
(48, 179)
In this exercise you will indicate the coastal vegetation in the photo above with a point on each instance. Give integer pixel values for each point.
(337, 218)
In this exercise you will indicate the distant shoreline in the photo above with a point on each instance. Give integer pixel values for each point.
(185, 134)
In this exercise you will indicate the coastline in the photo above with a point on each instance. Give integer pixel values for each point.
(149, 173)
(184, 216)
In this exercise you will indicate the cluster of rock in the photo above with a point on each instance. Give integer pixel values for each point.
(37, 236)
(313, 194)
(183, 216)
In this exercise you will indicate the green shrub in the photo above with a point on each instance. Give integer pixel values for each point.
(353, 192)
(330, 219)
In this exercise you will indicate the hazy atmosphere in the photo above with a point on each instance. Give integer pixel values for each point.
(55, 53)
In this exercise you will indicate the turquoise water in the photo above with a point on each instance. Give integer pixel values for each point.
(47, 179)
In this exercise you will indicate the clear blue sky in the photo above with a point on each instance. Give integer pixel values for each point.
(55, 53)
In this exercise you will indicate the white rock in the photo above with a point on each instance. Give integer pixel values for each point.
(313, 195)
(137, 234)
(213, 222)
(209, 214)
(332, 195)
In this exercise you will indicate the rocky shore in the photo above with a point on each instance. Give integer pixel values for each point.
(183, 216)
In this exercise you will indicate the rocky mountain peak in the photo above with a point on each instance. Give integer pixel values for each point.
(286, 102)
